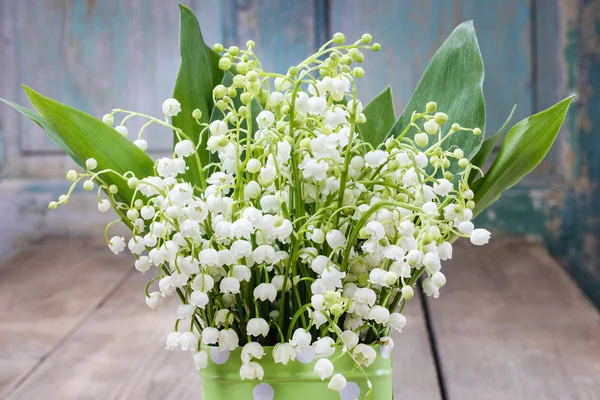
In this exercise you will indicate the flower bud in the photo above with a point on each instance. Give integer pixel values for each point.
(234, 50)
(133, 182)
(91, 163)
(336, 310)
(197, 114)
(376, 47)
(252, 76)
(245, 97)
(337, 382)
(52, 205)
(133, 214)
(72, 175)
(438, 279)
(218, 47)
(224, 63)
(477, 132)
(88, 185)
(122, 130)
(421, 139)
(458, 153)
(431, 127)
(463, 163)
(358, 72)
(431, 107)
(440, 118)
(141, 144)
(366, 38)
(219, 91)
(108, 119)
(339, 38)
(455, 127)
(407, 292)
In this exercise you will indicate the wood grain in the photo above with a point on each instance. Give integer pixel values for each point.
(45, 293)
(285, 32)
(96, 56)
(119, 354)
(410, 31)
(510, 324)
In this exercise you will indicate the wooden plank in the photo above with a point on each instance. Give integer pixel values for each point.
(415, 373)
(574, 235)
(119, 353)
(285, 32)
(96, 56)
(46, 292)
(410, 31)
(510, 324)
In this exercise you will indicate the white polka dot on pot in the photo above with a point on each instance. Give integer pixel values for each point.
(218, 356)
(263, 391)
(350, 392)
(306, 356)
(385, 351)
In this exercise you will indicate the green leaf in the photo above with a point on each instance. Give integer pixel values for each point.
(454, 81)
(198, 74)
(488, 146)
(524, 147)
(380, 118)
(85, 137)
(41, 121)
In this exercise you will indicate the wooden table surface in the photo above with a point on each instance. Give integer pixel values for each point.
(510, 324)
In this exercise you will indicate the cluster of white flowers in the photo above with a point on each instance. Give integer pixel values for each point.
(299, 234)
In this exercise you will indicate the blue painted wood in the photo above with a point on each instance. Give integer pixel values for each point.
(99, 55)
(410, 31)
(574, 237)
(285, 31)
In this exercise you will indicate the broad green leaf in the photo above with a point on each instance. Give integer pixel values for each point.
(454, 81)
(523, 149)
(198, 74)
(87, 137)
(380, 118)
(41, 121)
(488, 146)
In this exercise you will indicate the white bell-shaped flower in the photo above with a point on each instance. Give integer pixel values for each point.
(252, 370)
(252, 350)
(323, 368)
(257, 327)
(228, 339)
(479, 237)
(284, 353)
(171, 107)
(324, 347)
(337, 382)
(364, 354)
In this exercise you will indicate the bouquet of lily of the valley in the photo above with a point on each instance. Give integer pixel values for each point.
(293, 222)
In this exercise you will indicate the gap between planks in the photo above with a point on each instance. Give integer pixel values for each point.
(118, 352)
(511, 324)
(46, 294)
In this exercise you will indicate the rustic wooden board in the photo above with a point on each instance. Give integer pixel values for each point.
(119, 354)
(410, 31)
(96, 56)
(510, 324)
(45, 293)
(285, 32)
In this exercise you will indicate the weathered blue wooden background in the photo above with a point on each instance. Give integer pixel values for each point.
(101, 54)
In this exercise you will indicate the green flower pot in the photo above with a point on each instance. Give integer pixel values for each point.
(295, 381)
